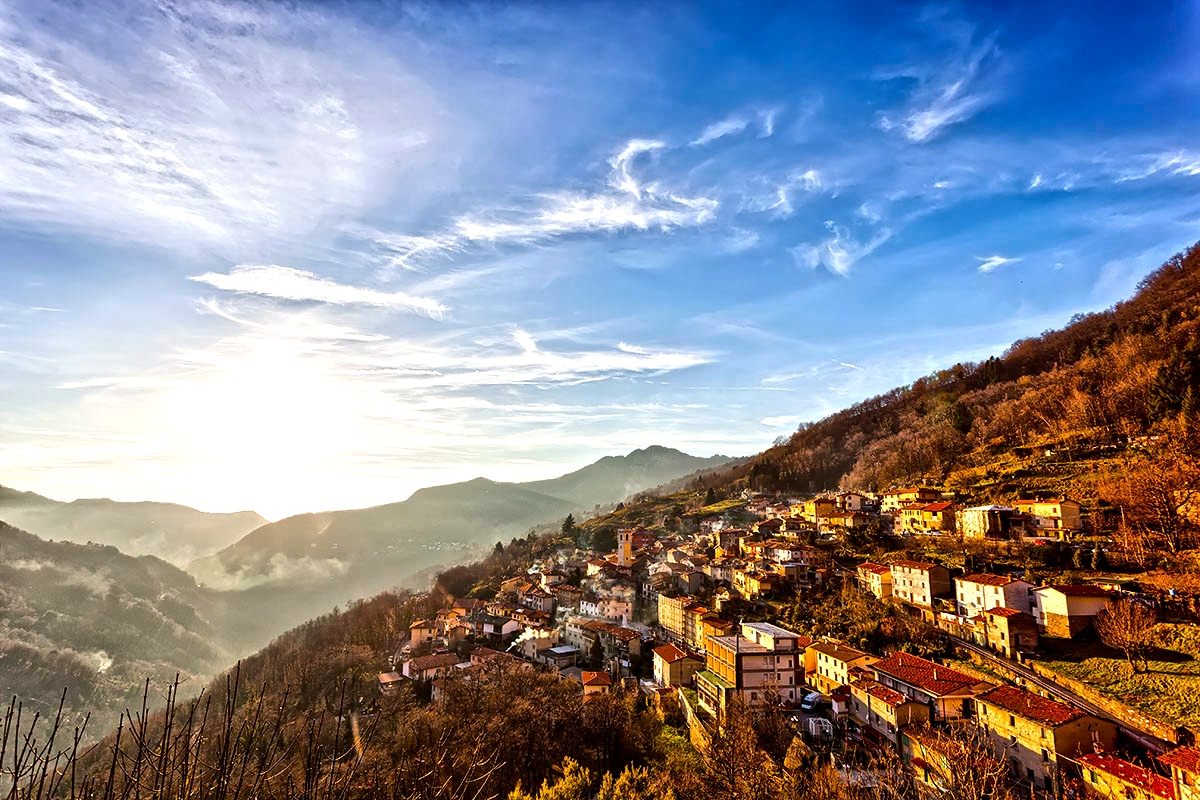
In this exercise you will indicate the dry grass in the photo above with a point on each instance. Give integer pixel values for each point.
(1167, 692)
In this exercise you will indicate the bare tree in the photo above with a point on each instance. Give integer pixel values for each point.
(1128, 626)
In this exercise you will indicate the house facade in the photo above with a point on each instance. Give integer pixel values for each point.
(760, 658)
(919, 582)
(674, 667)
(832, 663)
(1007, 631)
(1114, 778)
(988, 522)
(893, 500)
(1034, 733)
(876, 579)
(1059, 518)
(884, 711)
(982, 591)
(1063, 611)
(948, 693)
(1184, 763)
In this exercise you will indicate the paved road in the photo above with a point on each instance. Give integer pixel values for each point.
(1063, 694)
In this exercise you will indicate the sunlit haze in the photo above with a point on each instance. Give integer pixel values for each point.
(293, 259)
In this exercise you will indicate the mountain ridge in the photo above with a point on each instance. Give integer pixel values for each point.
(300, 566)
(175, 532)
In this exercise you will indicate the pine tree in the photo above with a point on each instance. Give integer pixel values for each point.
(568, 526)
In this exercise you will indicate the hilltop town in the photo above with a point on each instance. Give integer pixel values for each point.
(973, 623)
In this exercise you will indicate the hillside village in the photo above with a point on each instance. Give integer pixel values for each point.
(699, 615)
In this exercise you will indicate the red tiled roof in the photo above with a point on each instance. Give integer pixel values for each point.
(1130, 773)
(670, 653)
(1031, 706)
(1185, 758)
(879, 691)
(1001, 611)
(436, 661)
(941, 505)
(878, 569)
(597, 679)
(934, 678)
(988, 579)
(422, 623)
(839, 651)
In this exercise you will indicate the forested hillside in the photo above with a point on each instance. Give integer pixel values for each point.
(1055, 413)
(98, 621)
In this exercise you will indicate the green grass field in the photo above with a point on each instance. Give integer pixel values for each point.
(1167, 692)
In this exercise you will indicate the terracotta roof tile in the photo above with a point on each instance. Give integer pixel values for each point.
(435, 661)
(597, 679)
(1130, 773)
(670, 653)
(879, 692)
(1185, 758)
(936, 679)
(1031, 706)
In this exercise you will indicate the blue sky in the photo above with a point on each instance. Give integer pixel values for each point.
(293, 259)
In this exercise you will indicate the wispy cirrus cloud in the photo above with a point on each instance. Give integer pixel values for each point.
(241, 135)
(992, 263)
(1178, 163)
(841, 250)
(946, 95)
(627, 202)
(729, 126)
(288, 283)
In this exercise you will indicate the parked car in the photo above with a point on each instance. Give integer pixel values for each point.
(812, 701)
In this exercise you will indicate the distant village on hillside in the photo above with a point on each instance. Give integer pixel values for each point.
(693, 618)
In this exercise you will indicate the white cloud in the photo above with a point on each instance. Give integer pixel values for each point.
(525, 340)
(254, 125)
(945, 96)
(728, 127)
(1035, 182)
(841, 251)
(287, 283)
(782, 421)
(766, 122)
(1179, 163)
(779, 200)
(622, 177)
(991, 263)
(629, 204)
(739, 241)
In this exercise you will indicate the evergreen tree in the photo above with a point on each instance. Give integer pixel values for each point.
(1175, 386)
(710, 497)
(568, 526)
(596, 656)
